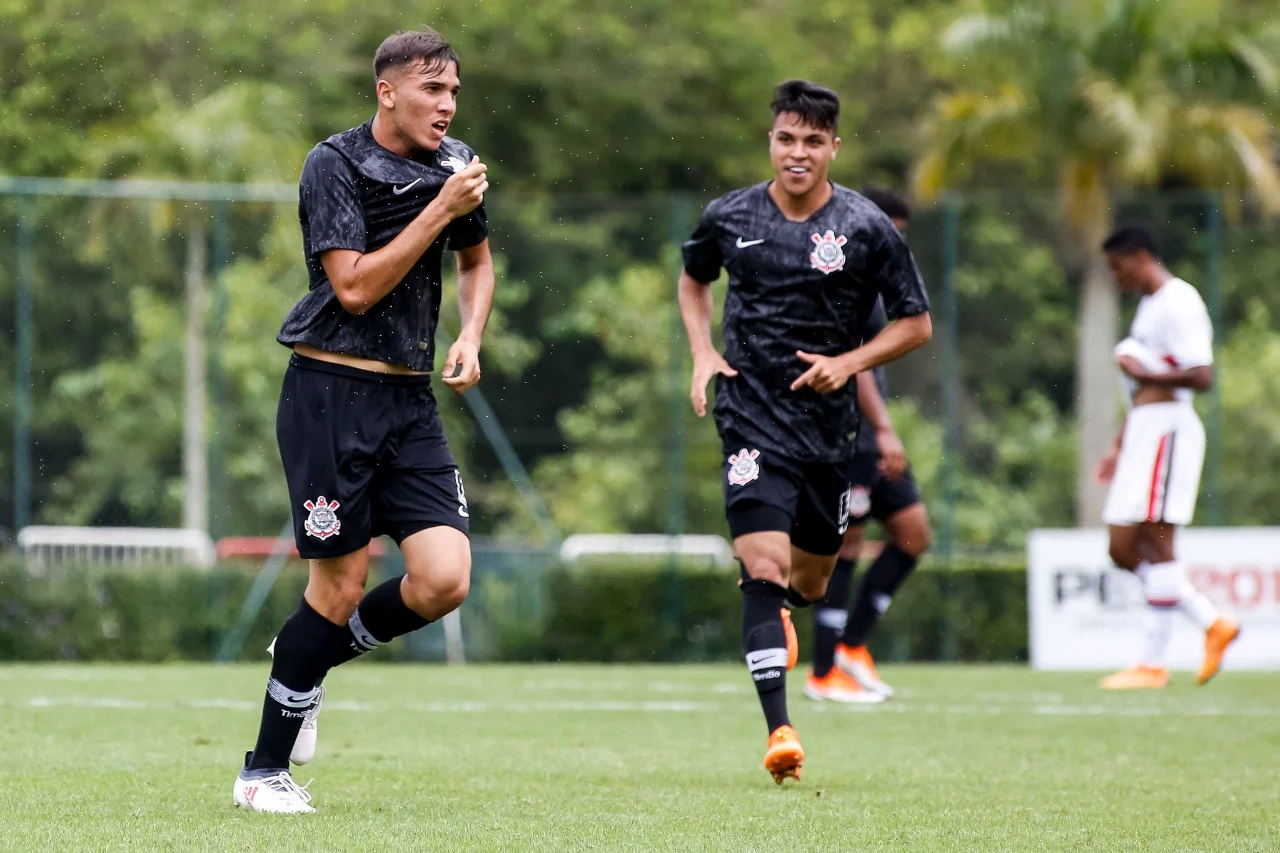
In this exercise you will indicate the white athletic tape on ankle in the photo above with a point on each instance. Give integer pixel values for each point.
(829, 617)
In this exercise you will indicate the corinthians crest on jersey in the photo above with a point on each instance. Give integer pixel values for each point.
(322, 518)
(828, 256)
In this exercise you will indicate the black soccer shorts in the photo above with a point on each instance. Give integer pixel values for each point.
(873, 495)
(807, 500)
(365, 455)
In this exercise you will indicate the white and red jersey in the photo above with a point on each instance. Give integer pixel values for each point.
(1157, 476)
(1172, 328)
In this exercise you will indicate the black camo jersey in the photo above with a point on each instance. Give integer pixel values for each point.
(797, 286)
(355, 194)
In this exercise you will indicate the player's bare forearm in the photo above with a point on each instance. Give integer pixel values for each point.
(1195, 378)
(694, 299)
(871, 404)
(475, 290)
(362, 279)
(898, 339)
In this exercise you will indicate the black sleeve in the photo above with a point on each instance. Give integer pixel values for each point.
(702, 258)
(467, 231)
(331, 201)
(893, 269)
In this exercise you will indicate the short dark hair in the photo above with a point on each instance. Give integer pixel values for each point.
(405, 47)
(817, 106)
(893, 205)
(1132, 237)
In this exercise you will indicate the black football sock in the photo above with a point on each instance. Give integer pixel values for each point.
(297, 665)
(876, 592)
(381, 617)
(765, 645)
(829, 617)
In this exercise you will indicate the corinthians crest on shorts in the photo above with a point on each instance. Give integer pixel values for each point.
(322, 518)
(828, 257)
(743, 467)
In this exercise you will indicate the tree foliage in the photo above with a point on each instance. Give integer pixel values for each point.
(605, 127)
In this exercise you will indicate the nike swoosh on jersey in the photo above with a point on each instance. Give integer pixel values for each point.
(404, 189)
(742, 244)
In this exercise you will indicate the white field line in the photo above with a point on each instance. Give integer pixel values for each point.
(650, 707)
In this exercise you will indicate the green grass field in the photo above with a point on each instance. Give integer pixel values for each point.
(641, 758)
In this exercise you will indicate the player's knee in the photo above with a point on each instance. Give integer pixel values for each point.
(336, 598)
(456, 592)
(441, 590)
(915, 541)
(1124, 555)
(910, 530)
(812, 587)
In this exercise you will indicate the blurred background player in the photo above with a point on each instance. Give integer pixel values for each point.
(807, 261)
(360, 436)
(884, 489)
(1154, 466)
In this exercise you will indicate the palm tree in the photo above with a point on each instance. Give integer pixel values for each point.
(1101, 96)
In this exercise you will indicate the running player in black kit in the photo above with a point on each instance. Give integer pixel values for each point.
(806, 261)
(360, 436)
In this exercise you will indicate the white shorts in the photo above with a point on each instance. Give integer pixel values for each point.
(1158, 474)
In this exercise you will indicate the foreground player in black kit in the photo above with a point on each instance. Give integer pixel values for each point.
(806, 261)
(359, 432)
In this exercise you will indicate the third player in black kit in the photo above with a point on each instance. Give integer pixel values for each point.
(806, 261)
(884, 489)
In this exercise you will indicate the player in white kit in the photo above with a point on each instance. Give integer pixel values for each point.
(1154, 466)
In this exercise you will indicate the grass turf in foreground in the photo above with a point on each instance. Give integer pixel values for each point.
(641, 758)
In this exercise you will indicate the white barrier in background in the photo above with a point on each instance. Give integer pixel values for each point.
(1085, 614)
(50, 546)
(646, 544)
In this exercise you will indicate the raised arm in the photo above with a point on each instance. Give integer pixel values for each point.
(362, 279)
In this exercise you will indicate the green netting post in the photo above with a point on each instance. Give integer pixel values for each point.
(219, 497)
(1213, 416)
(219, 489)
(949, 352)
(23, 323)
(678, 223)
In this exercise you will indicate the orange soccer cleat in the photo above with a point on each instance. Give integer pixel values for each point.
(793, 643)
(838, 686)
(784, 754)
(1140, 677)
(1222, 633)
(857, 662)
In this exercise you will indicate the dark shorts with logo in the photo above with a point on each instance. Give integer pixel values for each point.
(364, 455)
(809, 501)
(873, 495)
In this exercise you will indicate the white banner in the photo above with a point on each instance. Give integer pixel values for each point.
(1085, 614)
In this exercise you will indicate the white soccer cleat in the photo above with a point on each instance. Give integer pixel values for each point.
(304, 748)
(273, 792)
(857, 662)
(837, 686)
